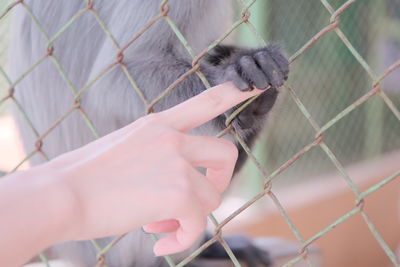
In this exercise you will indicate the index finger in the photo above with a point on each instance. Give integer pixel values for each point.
(205, 106)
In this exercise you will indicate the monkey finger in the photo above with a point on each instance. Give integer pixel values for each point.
(160, 227)
(205, 106)
(252, 73)
(270, 68)
(280, 59)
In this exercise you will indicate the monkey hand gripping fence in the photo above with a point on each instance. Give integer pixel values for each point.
(332, 25)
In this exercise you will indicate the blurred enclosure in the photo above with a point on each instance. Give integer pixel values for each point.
(327, 79)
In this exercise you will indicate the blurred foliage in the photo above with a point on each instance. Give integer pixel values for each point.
(328, 78)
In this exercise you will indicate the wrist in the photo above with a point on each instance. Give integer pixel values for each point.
(61, 202)
(38, 212)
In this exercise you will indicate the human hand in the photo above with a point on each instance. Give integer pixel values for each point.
(145, 174)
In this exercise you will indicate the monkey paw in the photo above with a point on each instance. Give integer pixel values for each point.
(242, 247)
(259, 68)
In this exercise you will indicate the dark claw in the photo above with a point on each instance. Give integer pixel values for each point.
(252, 73)
(280, 60)
(269, 67)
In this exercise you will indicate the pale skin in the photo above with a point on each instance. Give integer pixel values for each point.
(142, 175)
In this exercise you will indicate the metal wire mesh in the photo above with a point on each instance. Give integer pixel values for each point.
(307, 34)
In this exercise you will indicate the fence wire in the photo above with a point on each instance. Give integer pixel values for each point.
(332, 26)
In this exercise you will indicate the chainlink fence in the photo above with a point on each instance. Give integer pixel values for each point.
(341, 104)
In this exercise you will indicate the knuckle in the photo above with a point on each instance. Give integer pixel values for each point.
(215, 203)
(179, 187)
(263, 54)
(181, 197)
(230, 71)
(170, 139)
(230, 147)
(177, 199)
(246, 61)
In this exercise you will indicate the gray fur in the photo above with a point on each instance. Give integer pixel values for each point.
(111, 103)
(155, 61)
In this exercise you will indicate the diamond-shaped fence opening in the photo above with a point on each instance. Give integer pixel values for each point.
(341, 100)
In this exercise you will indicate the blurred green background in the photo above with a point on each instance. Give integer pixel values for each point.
(328, 78)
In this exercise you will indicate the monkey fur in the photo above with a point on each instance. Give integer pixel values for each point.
(155, 60)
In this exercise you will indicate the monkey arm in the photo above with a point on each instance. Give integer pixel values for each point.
(248, 68)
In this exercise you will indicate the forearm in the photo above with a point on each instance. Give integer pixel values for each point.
(34, 211)
(110, 186)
